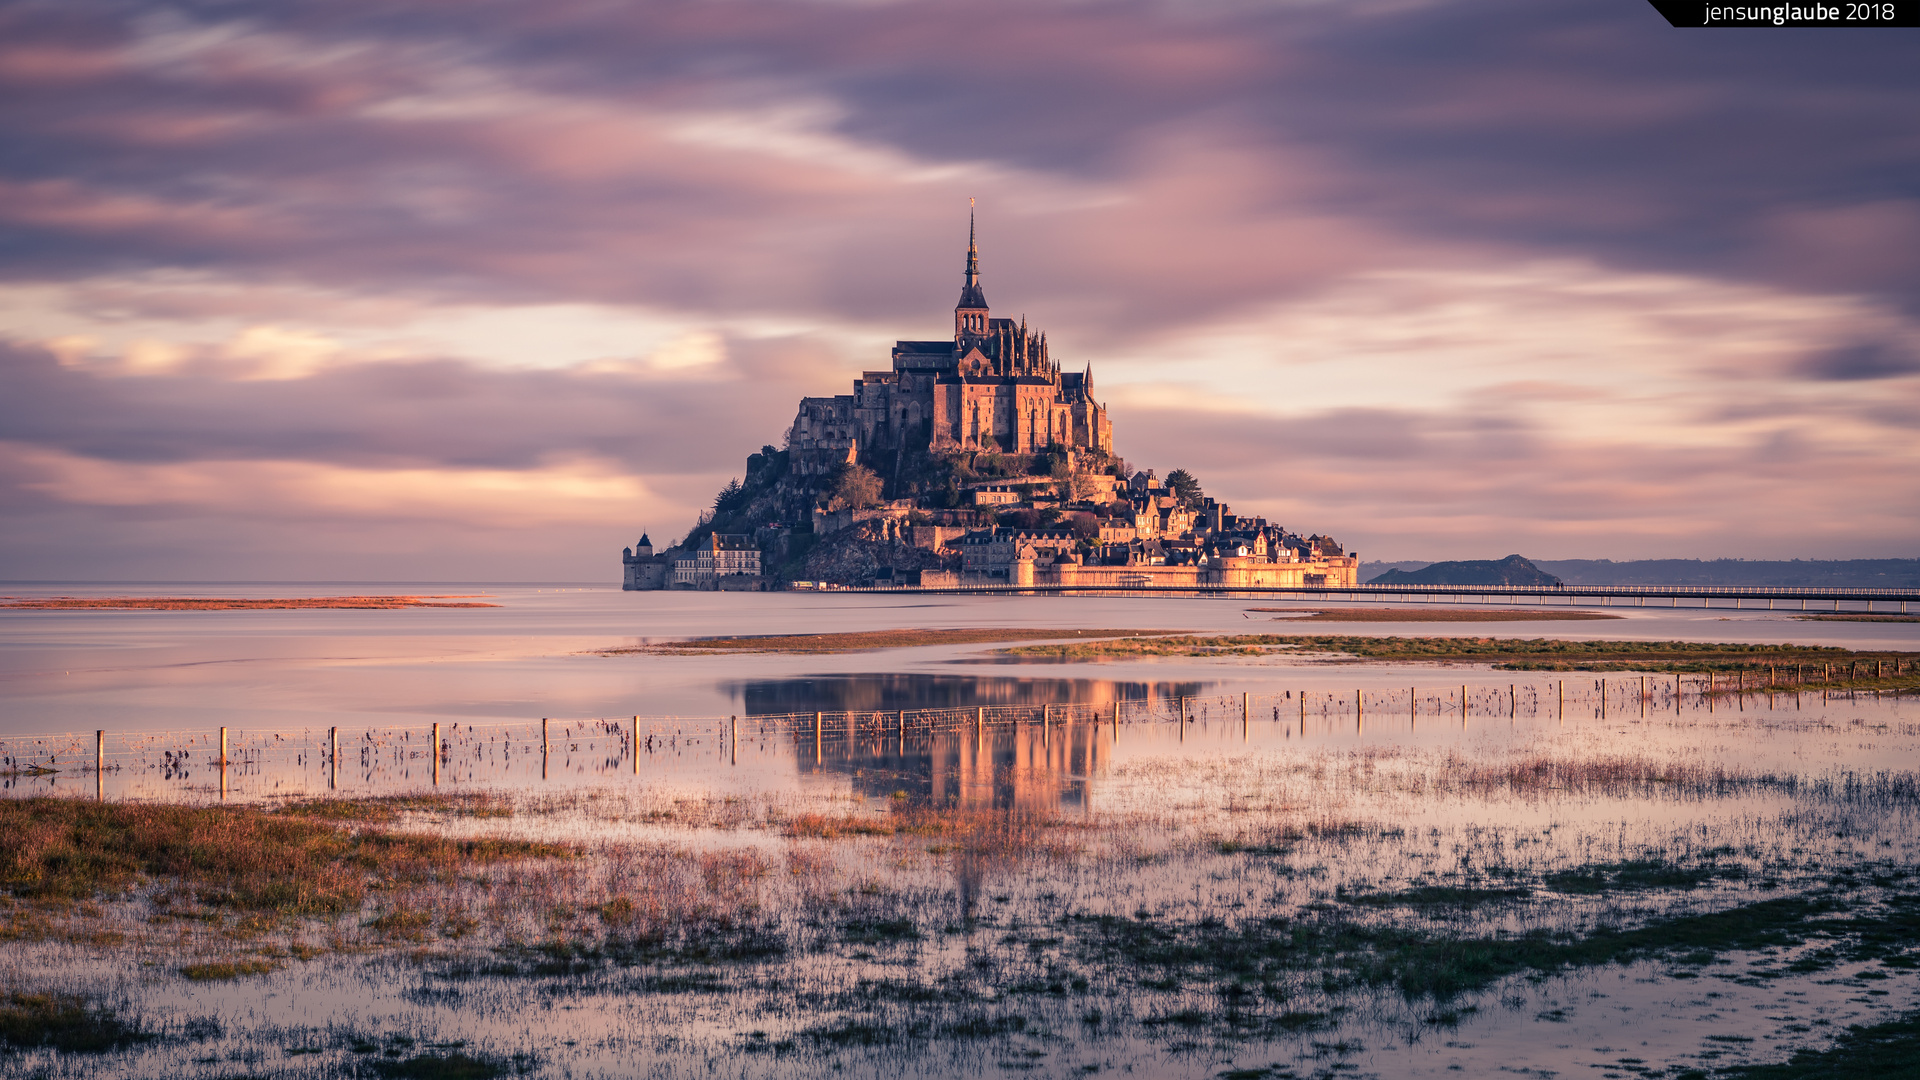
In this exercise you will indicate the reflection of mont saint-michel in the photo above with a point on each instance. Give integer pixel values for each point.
(1023, 765)
(975, 460)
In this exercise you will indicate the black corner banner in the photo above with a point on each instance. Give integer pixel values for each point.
(1833, 13)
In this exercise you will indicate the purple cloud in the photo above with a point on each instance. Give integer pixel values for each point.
(789, 176)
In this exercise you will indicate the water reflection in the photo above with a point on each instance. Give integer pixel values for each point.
(1017, 758)
(891, 692)
(1030, 766)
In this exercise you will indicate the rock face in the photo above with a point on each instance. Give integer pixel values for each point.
(1512, 570)
(858, 555)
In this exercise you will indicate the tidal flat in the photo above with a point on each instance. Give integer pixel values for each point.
(1680, 894)
(1706, 873)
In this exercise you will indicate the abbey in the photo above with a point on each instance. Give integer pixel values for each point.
(975, 461)
(994, 387)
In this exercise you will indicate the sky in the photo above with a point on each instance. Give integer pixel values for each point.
(479, 289)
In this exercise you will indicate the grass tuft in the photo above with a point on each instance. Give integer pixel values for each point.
(454, 1066)
(225, 970)
(68, 1023)
(239, 857)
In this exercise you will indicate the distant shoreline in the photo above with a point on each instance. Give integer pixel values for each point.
(227, 603)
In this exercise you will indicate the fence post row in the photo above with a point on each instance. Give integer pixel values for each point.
(1767, 679)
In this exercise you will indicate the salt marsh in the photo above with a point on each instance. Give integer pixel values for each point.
(1244, 876)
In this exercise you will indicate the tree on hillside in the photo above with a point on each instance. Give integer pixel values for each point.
(856, 488)
(1187, 487)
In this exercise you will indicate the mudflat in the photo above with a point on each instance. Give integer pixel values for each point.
(1392, 615)
(233, 603)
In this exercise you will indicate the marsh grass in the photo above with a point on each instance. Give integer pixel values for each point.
(1412, 614)
(1639, 874)
(390, 807)
(1859, 616)
(241, 858)
(1268, 893)
(69, 1023)
(1262, 953)
(834, 826)
(1886, 1051)
(1434, 896)
(454, 1066)
(1529, 654)
(1617, 774)
(227, 970)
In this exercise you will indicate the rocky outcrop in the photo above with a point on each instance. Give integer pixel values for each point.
(1512, 570)
(857, 556)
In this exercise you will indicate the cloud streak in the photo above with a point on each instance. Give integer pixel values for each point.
(1447, 276)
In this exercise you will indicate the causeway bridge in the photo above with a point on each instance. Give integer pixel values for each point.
(1737, 597)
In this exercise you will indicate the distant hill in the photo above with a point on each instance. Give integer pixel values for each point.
(1807, 573)
(1512, 570)
(1795, 573)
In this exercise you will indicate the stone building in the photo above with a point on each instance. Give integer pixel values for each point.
(718, 556)
(994, 386)
(1222, 550)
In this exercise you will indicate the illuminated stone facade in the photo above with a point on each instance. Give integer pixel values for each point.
(994, 386)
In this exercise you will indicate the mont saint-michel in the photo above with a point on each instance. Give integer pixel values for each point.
(978, 459)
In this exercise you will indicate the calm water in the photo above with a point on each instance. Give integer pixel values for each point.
(1227, 790)
(533, 657)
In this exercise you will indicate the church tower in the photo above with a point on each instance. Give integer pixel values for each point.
(970, 314)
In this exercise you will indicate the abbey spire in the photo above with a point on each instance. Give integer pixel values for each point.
(970, 314)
